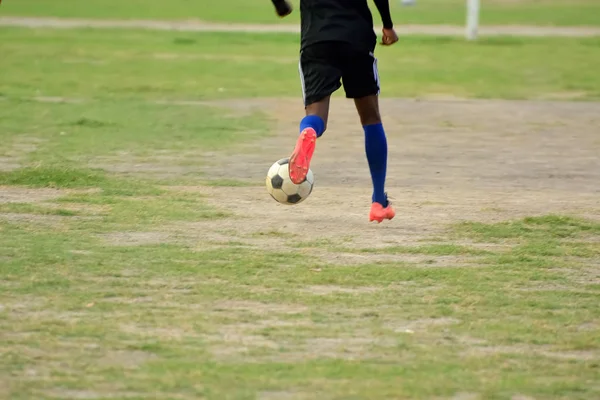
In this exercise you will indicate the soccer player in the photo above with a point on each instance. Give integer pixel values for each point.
(337, 45)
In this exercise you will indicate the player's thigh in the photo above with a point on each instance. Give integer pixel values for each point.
(360, 75)
(319, 73)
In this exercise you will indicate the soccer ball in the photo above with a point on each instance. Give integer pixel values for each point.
(281, 187)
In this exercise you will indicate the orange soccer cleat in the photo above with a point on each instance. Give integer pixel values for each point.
(300, 159)
(379, 213)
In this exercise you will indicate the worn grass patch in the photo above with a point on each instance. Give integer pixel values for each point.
(122, 303)
(28, 208)
(432, 249)
(229, 183)
(70, 177)
(533, 228)
(117, 132)
(53, 176)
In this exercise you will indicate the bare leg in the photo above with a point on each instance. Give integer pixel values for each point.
(368, 110)
(320, 108)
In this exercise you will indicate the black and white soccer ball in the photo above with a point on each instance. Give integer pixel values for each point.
(281, 187)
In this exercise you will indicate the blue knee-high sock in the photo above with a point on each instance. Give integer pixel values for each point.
(376, 149)
(312, 121)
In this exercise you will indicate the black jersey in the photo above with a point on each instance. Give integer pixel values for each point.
(347, 21)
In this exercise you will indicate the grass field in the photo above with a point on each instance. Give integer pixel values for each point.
(141, 256)
(450, 12)
(105, 63)
(139, 283)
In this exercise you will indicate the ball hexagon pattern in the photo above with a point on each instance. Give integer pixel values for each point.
(281, 187)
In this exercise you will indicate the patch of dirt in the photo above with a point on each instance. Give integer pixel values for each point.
(129, 300)
(24, 304)
(553, 287)
(590, 275)
(47, 220)
(446, 145)
(255, 337)
(125, 359)
(285, 395)
(234, 339)
(73, 394)
(160, 167)
(325, 222)
(47, 99)
(521, 397)
(421, 324)
(540, 351)
(450, 161)
(589, 326)
(204, 26)
(465, 396)
(12, 157)
(323, 290)
(135, 238)
(13, 194)
(80, 208)
(336, 257)
(252, 347)
(254, 307)
(164, 334)
(8, 163)
(348, 348)
(239, 339)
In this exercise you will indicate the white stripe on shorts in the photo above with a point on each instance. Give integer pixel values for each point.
(302, 78)
(376, 72)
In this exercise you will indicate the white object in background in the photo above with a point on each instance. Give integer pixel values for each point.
(408, 2)
(472, 19)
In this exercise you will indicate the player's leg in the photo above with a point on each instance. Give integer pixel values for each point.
(377, 152)
(312, 126)
(317, 115)
(361, 82)
(375, 145)
(319, 78)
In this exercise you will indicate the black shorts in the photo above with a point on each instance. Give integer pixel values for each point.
(324, 66)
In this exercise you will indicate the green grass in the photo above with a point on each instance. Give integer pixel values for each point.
(110, 65)
(115, 284)
(432, 249)
(121, 122)
(153, 319)
(65, 176)
(534, 228)
(175, 139)
(28, 208)
(52, 177)
(113, 289)
(540, 12)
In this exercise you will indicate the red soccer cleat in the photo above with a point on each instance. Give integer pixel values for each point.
(300, 159)
(379, 213)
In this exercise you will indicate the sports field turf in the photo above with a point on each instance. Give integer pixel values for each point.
(105, 63)
(452, 12)
(141, 257)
